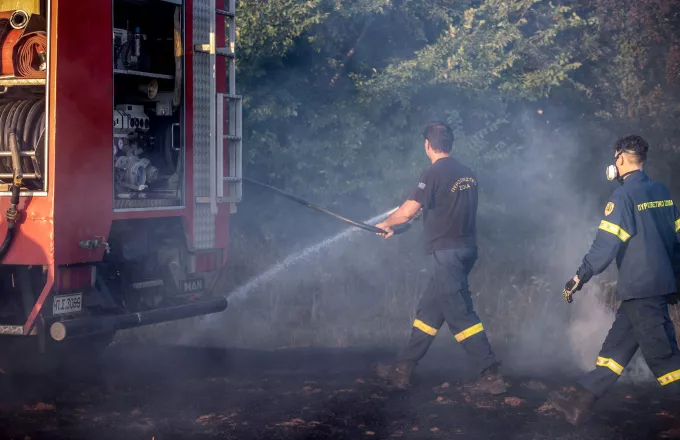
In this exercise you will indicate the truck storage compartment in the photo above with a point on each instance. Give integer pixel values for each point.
(148, 113)
(24, 61)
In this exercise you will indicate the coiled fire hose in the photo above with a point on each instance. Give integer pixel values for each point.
(30, 55)
(26, 119)
(397, 230)
(12, 214)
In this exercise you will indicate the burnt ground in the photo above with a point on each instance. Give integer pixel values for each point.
(170, 392)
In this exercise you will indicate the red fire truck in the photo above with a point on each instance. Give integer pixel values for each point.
(120, 164)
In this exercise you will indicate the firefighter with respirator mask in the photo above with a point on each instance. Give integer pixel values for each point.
(447, 195)
(641, 230)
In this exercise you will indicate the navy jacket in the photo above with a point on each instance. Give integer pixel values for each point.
(641, 229)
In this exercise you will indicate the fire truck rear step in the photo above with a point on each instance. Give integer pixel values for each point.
(101, 324)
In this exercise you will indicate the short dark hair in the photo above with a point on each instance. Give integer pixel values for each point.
(440, 136)
(634, 145)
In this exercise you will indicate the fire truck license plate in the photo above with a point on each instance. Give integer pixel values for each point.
(67, 304)
(192, 285)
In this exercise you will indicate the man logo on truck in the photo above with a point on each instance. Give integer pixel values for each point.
(192, 286)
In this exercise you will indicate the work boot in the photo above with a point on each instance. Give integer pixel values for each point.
(575, 408)
(398, 374)
(490, 382)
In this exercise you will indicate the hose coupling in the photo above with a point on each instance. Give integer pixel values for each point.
(12, 215)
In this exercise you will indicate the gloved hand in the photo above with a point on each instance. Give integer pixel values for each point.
(573, 285)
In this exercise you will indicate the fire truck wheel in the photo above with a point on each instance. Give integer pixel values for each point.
(21, 355)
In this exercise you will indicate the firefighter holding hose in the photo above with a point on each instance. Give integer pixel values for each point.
(641, 230)
(447, 195)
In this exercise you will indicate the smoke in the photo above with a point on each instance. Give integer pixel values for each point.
(281, 274)
(295, 282)
(589, 326)
(538, 215)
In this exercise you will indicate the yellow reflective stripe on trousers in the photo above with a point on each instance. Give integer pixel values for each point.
(420, 325)
(469, 332)
(614, 229)
(669, 378)
(611, 364)
(677, 225)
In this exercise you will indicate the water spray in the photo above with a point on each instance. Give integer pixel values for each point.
(370, 228)
(242, 291)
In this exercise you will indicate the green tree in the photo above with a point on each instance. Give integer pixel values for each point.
(335, 90)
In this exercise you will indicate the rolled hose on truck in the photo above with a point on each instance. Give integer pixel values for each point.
(22, 124)
(30, 55)
(25, 118)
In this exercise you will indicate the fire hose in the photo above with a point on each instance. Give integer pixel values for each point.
(26, 119)
(21, 129)
(30, 55)
(12, 214)
(397, 230)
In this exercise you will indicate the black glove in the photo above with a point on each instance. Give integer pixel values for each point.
(570, 288)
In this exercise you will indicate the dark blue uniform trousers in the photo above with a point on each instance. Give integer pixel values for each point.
(643, 323)
(447, 298)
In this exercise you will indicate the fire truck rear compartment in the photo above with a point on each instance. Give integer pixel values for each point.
(148, 113)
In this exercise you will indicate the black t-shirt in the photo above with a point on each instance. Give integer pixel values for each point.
(447, 192)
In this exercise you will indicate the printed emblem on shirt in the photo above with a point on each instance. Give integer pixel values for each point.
(609, 208)
(463, 184)
(421, 185)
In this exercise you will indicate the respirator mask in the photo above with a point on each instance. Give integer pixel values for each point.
(612, 171)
